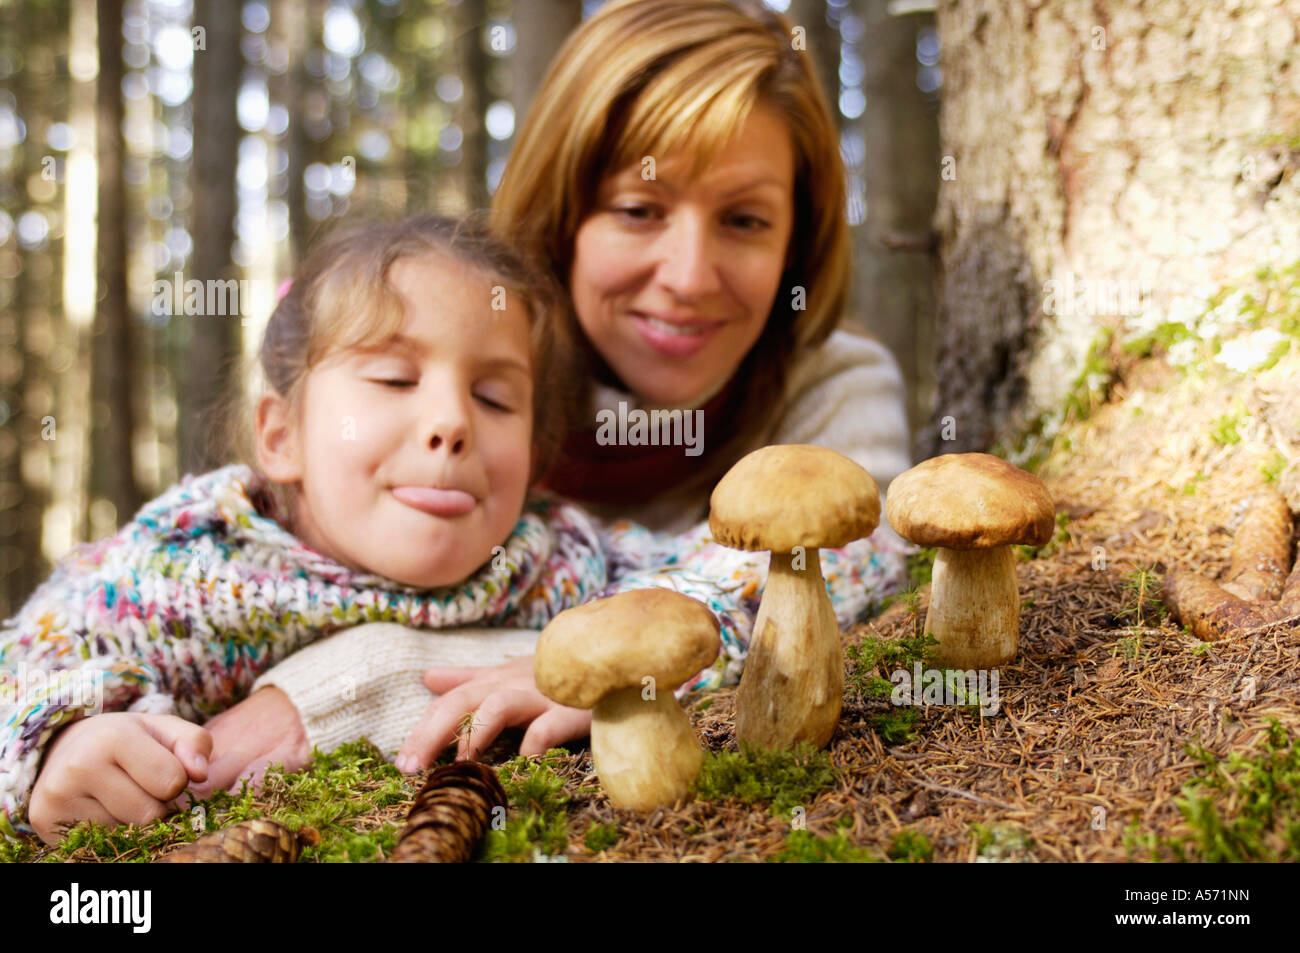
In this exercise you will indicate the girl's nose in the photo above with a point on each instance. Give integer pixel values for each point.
(449, 425)
(457, 443)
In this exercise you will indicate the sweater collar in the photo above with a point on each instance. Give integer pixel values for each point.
(216, 507)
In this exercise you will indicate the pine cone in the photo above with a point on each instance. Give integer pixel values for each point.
(259, 841)
(451, 815)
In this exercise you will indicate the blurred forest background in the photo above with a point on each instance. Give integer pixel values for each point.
(215, 139)
(1031, 183)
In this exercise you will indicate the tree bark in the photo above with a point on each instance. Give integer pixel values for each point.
(894, 255)
(212, 351)
(1098, 140)
(474, 65)
(541, 27)
(113, 366)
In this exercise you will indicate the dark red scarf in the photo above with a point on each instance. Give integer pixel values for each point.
(588, 472)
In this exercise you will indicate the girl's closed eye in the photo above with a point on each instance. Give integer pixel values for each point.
(497, 397)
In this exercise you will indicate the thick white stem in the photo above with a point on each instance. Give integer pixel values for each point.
(975, 607)
(645, 750)
(793, 684)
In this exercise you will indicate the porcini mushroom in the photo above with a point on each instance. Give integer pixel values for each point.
(792, 499)
(973, 507)
(622, 657)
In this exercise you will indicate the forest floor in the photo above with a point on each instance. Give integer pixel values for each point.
(1117, 735)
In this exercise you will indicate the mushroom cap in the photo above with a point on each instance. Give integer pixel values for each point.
(591, 650)
(789, 495)
(970, 501)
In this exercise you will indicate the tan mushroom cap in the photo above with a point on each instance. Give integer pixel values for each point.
(970, 501)
(790, 495)
(593, 649)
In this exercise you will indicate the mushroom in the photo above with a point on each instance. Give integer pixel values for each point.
(622, 656)
(973, 507)
(792, 499)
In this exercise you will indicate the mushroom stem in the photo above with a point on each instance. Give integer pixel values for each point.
(793, 683)
(644, 749)
(975, 607)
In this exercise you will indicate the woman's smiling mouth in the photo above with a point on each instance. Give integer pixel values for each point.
(677, 339)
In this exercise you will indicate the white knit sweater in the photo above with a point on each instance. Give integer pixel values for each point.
(846, 395)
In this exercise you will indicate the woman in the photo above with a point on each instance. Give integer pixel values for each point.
(680, 172)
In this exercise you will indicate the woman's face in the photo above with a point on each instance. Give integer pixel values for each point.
(673, 281)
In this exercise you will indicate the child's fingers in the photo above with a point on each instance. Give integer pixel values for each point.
(499, 710)
(229, 766)
(436, 730)
(125, 799)
(189, 742)
(443, 678)
(53, 829)
(553, 728)
(149, 764)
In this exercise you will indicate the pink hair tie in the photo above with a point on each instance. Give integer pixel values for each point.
(283, 290)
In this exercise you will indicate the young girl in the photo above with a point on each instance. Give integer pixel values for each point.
(395, 448)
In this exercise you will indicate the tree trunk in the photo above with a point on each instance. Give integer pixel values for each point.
(214, 339)
(541, 27)
(893, 281)
(473, 60)
(1088, 140)
(823, 45)
(113, 367)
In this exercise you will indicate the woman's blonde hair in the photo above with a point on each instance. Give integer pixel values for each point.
(341, 297)
(651, 77)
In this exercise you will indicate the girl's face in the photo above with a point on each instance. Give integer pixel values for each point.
(673, 281)
(413, 458)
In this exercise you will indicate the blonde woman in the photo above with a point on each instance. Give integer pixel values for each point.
(680, 173)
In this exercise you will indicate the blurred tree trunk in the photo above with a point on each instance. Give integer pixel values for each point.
(113, 348)
(473, 62)
(1092, 141)
(541, 27)
(822, 40)
(214, 339)
(893, 281)
(29, 30)
(289, 26)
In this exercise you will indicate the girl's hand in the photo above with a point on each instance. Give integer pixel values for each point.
(263, 729)
(116, 768)
(496, 698)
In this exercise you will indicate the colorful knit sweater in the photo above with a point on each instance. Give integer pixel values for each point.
(189, 603)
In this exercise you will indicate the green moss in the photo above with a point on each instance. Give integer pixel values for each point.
(910, 847)
(875, 660)
(1001, 842)
(600, 837)
(1089, 389)
(1163, 337)
(1272, 467)
(784, 779)
(1265, 790)
(803, 847)
(537, 823)
(329, 793)
(335, 789)
(1224, 432)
